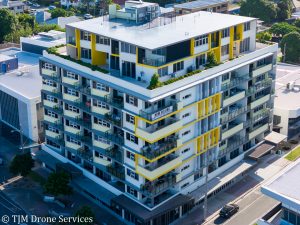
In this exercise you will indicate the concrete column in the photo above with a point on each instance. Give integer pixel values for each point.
(123, 213)
(180, 211)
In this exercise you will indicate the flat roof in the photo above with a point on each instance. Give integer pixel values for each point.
(5, 57)
(285, 186)
(46, 39)
(261, 150)
(152, 36)
(26, 80)
(275, 137)
(199, 4)
(287, 99)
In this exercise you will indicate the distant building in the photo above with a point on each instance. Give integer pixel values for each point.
(8, 63)
(285, 189)
(286, 104)
(20, 98)
(63, 21)
(36, 44)
(14, 6)
(219, 6)
(42, 17)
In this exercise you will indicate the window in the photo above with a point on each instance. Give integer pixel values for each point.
(128, 48)
(130, 155)
(160, 51)
(131, 191)
(200, 60)
(258, 108)
(245, 45)
(186, 132)
(71, 108)
(100, 104)
(49, 66)
(132, 174)
(201, 40)
(86, 53)
(187, 96)
(186, 115)
(185, 150)
(246, 26)
(71, 92)
(131, 100)
(101, 139)
(51, 98)
(225, 77)
(71, 75)
(225, 50)
(52, 129)
(163, 71)
(101, 122)
(132, 138)
(72, 124)
(85, 36)
(225, 33)
(73, 140)
(51, 114)
(178, 66)
(102, 40)
(100, 86)
(49, 83)
(129, 118)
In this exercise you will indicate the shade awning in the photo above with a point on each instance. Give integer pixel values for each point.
(261, 150)
(275, 137)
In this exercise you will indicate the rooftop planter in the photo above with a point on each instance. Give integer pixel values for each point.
(54, 51)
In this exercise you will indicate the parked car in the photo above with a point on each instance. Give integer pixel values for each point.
(36, 5)
(228, 210)
(51, 7)
(88, 16)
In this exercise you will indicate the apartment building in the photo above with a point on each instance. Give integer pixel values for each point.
(151, 148)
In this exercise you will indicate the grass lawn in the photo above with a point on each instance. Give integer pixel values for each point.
(37, 178)
(294, 154)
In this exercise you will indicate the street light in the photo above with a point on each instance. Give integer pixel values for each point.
(21, 137)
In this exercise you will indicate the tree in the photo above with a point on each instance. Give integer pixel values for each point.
(297, 23)
(86, 212)
(58, 184)
(211, 59)
(154, 82)
(264, 36)
(7, 23)
(22, 164)
(283, 28)
(290, 45)
(263, 9)
(59, 12)
(284, 9)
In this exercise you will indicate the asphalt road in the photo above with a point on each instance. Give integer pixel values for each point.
(253, 206)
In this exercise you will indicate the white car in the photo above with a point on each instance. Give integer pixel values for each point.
(88, 16)
(36, 5)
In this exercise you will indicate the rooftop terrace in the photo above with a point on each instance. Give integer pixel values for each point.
(160, 32)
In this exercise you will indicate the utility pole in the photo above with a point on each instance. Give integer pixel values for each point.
(206, 186)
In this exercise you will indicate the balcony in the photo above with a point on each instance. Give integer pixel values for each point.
(234, 112)
(259, 101)
(116, 171)
(159, 186)
(114, 153)
(261, 70)
(235, 81)
(101, 161)
(52, 134)
(234, 97)
(51, 119)
(97, 92)
(155, 113)
(158, 168)
(260, 86)
(50, 104)
(153, 132)
(71, 98)
(232, 129)
(49, 73)
(70, 81)
(72, 146)
(114, 119)
(72, 130)
(72, 114)
(155, 150)
(101, 144)
(50, 88)
(257, 131)
(85, 154)
(100, 110)
(101, 128)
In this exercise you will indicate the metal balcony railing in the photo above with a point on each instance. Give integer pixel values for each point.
(159, 185)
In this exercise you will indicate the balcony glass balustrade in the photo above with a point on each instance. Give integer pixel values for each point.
(159, 185)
